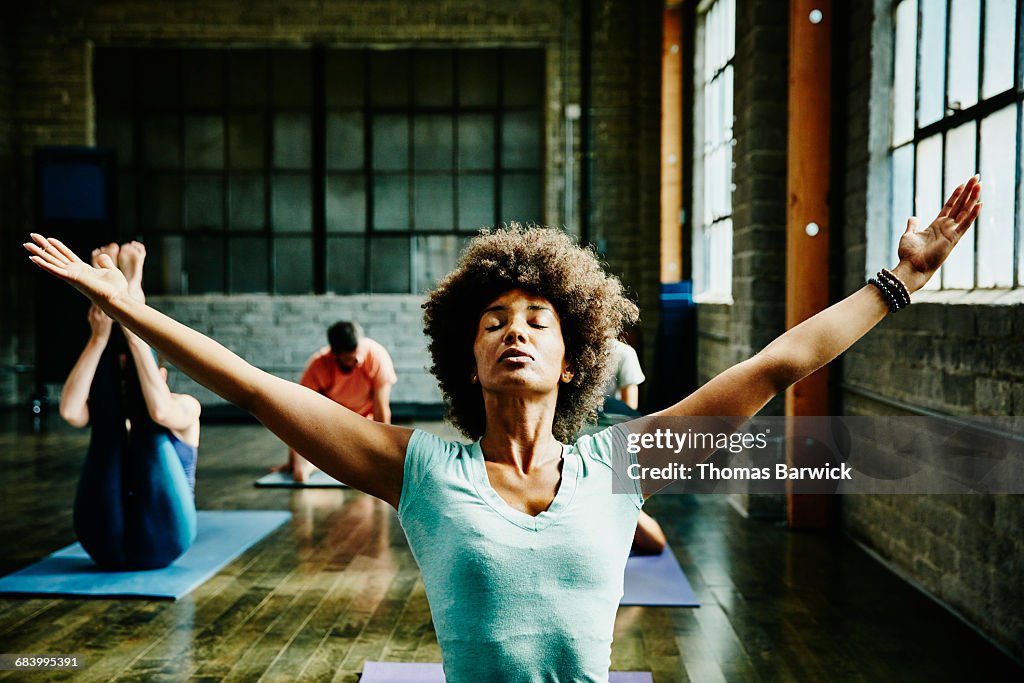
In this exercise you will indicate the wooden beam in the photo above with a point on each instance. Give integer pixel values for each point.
(807, 214)
(671, 145)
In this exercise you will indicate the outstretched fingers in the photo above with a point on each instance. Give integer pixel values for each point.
(45, 256)
(964, 225)
(954, 197)
(971, 201)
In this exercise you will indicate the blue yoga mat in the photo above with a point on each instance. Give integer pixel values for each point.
(221, 537)
(657, 581)
(402, 672)
(284, 480)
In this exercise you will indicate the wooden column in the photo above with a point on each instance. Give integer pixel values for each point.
(807, 214)
(671, 145)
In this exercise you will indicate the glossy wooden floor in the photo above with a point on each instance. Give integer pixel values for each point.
(338, 586)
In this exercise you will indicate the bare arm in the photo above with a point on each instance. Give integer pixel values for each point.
(366, 455)
(382, 403)
(74, 398)
(630, 395)
(177, 413)
(744, 389)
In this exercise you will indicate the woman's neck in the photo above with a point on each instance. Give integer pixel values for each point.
(519, 432)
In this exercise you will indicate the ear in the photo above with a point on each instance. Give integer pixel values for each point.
(567, 373)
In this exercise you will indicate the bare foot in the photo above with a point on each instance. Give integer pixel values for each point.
(130, 260)
(110, 250)
(300, 469)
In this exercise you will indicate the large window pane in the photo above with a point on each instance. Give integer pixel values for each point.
(204, 202)
(346, 265)
(520, 198)
(292, 199)
(958, 271)
(433, 258)
(433, 77)
(931, 54)
(391, 143)
(523, 77)
(248, 73)
(389, 265)
(165, 265)
(928, 197)
(391, 202)
(520, 140)
(204, 82)
(292, 141)
(346, 203)
(248, 202)
(1000, 24)
(904, 83)
(478, 78)
(292, 78)
(159, 82)
(161, 202)
(344, 140)
(126, 203)
(293, 272)
(249, 265)
(476, 202)
(204, 142)
(247, 141)
(965, 18)
(117, 132)
(161, 140)
(476, 141)
(720, 253)
(113, 85)
(902, 196)
(344, 74)
(389, 77)
(995, 224)
(434, 198)
(204, 265)
(432, 142)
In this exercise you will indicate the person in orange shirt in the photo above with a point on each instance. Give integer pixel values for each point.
(354, 371)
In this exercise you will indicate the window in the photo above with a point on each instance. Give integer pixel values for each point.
(956, 101)
(322, 170)
(713, 186)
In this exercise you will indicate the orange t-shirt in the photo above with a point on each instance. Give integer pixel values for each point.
(355, 389)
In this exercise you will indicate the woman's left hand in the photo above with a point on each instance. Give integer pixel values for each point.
(923, 251)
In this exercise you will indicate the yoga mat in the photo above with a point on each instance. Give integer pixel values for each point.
(283, 480)
(402, 672)
(657, 581)
(221, 537)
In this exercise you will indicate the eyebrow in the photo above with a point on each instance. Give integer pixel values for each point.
(531, 307)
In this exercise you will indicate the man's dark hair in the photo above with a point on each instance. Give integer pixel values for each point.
(344, 336)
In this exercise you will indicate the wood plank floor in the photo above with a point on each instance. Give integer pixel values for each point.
(338, 586)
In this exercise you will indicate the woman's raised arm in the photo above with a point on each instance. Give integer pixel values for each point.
(745, 388)
(366, 455)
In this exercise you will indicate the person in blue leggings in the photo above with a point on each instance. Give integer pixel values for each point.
(135, 503)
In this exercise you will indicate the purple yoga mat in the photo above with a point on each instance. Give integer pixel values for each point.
(403, 672)
(657, 581)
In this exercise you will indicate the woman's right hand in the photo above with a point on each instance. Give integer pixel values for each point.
(100, 323)
(101, 284)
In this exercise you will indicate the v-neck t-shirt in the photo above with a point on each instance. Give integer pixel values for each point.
(516, 597)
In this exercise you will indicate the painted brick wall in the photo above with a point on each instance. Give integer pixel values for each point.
(51, 100)
(959, 359)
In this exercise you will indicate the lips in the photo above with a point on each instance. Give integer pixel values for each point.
(515, 353)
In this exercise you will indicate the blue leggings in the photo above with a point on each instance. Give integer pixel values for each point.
(133, 508)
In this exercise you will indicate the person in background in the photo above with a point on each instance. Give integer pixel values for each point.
(354, 371)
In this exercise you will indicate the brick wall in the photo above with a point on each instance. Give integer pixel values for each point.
(51, 55)
(948, 358)
(8, 333)
(728, 334)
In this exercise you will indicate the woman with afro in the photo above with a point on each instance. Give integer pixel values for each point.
(521, 542)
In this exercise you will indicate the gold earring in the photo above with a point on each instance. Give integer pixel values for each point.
(472, 380)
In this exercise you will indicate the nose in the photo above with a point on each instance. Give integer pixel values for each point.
(516, 331)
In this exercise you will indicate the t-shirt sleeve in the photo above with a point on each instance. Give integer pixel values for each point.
(379, 367)
(630, 371)
(424, 451)
(610, 448)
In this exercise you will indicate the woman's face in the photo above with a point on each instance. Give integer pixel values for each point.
(519, 344)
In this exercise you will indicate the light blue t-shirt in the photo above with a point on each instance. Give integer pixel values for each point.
(514, 597)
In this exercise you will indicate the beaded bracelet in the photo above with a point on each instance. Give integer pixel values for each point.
(892, 289)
